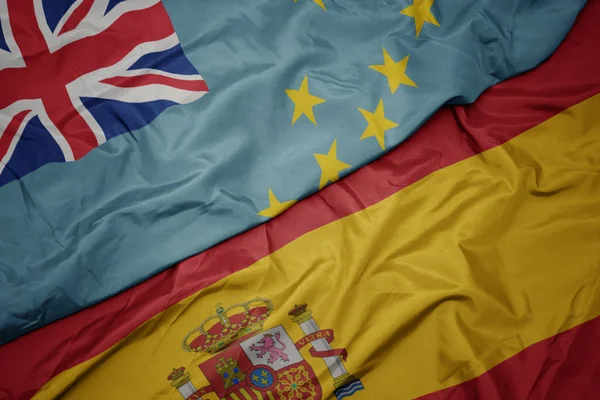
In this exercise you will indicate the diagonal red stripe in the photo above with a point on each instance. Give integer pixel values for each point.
(453, 134)
(78, 15)
(566, 366)
(70, 123)
(248, 391)
(153, 79)
(97, 51)
(9, 133)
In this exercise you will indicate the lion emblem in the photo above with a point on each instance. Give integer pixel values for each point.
(274, 347)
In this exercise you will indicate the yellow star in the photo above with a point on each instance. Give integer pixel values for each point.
(377, 124)
(394, 71)
(421, 12)
(330, 166)
(303, 102)
(319, 2)
(275, 206)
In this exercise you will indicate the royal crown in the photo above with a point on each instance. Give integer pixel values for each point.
(176, 373)
(179, 377)
(298, 310)
(228, 325)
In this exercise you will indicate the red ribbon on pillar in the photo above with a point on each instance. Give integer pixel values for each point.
(201, 392)
(326, 334)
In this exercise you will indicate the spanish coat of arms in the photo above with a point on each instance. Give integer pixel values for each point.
(250, 363)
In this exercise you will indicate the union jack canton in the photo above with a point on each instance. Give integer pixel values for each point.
(75, 73)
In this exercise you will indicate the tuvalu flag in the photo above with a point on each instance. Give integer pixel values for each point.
(460, 265)
(136, 133)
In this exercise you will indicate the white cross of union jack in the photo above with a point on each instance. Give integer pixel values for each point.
(74, 73)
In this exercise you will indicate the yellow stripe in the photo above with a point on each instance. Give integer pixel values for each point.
(426, 289)
(234, 396)
(258, 394)
(245, 394)
(270, 394)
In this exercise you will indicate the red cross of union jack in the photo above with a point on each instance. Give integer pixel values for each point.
(57, 55)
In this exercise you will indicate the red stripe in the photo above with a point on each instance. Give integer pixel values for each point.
(153, 79)
(26, 30)
(116, 41)
(453, 134)
(77, 16)
(250, 393)
(70, 123)
(10, 132)
(566, 366)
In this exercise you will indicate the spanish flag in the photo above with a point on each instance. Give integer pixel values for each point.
(463, 264)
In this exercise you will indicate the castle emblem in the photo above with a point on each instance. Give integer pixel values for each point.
(249, 362)
(229, 371)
